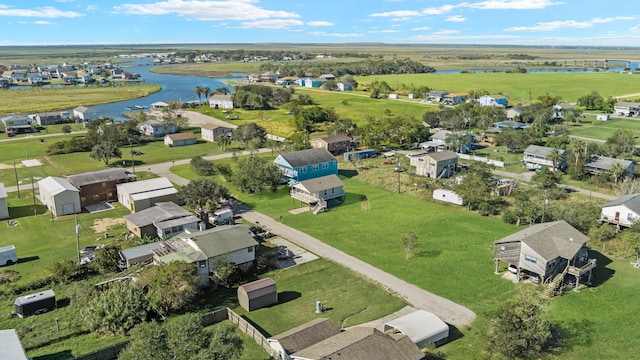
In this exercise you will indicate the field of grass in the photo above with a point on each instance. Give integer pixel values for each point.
(602, 130)
(520, 88)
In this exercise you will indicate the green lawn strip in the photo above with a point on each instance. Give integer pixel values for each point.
(520, 88)
(49, 99)
(251, 350)
(602, 130)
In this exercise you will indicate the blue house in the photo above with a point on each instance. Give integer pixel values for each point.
(306, 164)
(312, 82)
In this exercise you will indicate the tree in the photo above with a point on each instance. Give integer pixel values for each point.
(201, 193)
(224, 141)
(249, 131)
(105, 151)
(221, 90)
(477, 184)
(117, 309)
(254, 173)
(66, 129)
(148, 342)
(206, 91)
(409, 242)
(555, 155)
(545, 179)
(520, 329)
(616, 171)
(621, 142)
(106, 259)
(169, 288)
(198, 91)
(202, 167)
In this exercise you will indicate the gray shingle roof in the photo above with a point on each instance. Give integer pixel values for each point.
(541, 150)
(220, 240)
(631, 201)
(605, 163)
(320, 183)
(308, 157)
(99, 176)
(160, 213)
(443, 155)
(550, 240)
(305, 335)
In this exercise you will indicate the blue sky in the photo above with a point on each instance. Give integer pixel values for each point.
(512, 22)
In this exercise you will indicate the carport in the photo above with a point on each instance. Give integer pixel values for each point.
(422, 327)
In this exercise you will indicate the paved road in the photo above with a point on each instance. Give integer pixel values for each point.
(40, 136)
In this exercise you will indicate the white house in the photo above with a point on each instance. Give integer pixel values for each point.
(211, 132)
(623, 211)
(85, 114)
(342, 86)
(60, 197)
(156, 128)
(4, 208)
(143, 194)
(219, 101)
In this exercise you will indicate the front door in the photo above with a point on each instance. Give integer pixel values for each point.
(617, 218)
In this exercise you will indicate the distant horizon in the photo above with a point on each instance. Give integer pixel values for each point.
(411, 22)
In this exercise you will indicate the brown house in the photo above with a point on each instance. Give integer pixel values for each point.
(99, 186)
(336, 144)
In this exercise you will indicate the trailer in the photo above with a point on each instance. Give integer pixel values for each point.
(8, 255)
(360, 154)
(34, 304)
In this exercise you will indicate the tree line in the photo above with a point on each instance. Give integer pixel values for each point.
(367, 67)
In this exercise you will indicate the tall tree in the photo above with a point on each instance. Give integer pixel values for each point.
(224, 141)
(116, 310)
(206, 91)
(409, 242)
(105, 151)
(201, 193)
(254, 173)
(249, 131)
(477, 184)
(555, 155)
(616, 171)
(148, 342)
(198, 91)
(169, 287)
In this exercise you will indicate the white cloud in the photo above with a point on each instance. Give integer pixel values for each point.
(42, 22)
(456, 18)
(511, 4)
(446, 32)
(322, 33)
(90, 8)
(319, 23)
(206, 10)
(41, 12)
(568, 24)
(272, 24)
(424, 28)
(439, 10)
(398, 13)
(453, 38)
(384, 31)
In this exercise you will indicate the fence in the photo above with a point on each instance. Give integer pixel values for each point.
(208, 319)
(483, 159)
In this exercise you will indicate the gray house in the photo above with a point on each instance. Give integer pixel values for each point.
(536, 157)
(597, 164)
(546, 250)
(435, 165)
(164, 219)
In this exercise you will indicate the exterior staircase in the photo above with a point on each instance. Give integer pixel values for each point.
(554, 284)
(321, 205)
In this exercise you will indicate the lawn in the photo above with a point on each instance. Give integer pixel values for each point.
(602, 130)
(520, 88)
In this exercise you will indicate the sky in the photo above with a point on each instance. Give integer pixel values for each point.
(508, 22)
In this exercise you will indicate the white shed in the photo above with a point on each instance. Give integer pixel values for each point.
(143, 194)
(422, 327)
(603, 117)
(4, 208)
(449, 196)
(59, 196)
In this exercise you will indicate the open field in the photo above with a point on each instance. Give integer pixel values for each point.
(49, 99)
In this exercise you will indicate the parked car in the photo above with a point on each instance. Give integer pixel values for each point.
(513, 269)
(231, 117)
(535, 278)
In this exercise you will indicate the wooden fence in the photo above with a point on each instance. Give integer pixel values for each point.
(249, 330)
(108, 353)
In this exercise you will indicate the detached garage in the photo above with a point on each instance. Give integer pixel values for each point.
(422, 327)
(258, 294)
(60, 197)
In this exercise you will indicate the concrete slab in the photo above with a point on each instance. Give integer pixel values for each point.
(99, 207)
(299, 210)
(298, 254)
(31, 163)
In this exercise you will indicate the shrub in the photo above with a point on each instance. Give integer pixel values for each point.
(202, 167)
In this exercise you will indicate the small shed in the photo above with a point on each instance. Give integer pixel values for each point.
(180, 139)
(422, 327)
(11, 347)
(603, 117)
(258, 294)
(34, 304)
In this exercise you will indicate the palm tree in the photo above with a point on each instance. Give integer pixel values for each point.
(555, 155)
(616, 171)
(579, 149)
(198, 91)
(206, 91)
(221, 90)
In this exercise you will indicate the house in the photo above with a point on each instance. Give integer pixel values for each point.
(449, 196)
(435, 165)
(34, 78)
(142, 254)
(321, 192)
(312, 82)
(362, 342)
(454, 98)
(422, 327)
(515, 112)
(85, 114)
(4, 208)
(59, 196)
(597, 164)
(535, 157)
(306, 164)
(219, 101)
(69, 77)
(211, 132)
(497, 127)
(327, 77)
(546, 250)
(180, 139)
(336, 144)
(86, 78)
(492, 100)
(117, 74)
(258, 294)
(156, 128)
(51, 117)
(343, 86)
(11, 347)
(442, 140)
(560, 110)
(301, 337)
(436, 95)
(208, 248)
(163, 219)
(625, 108)
(623, 211)
(139, 195)
(159, 105)
(17, 124)
(100, 186)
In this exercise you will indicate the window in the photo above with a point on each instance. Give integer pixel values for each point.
(315, 167)
(250, 249)
(104, 184)
(303, 170)
(531, 258)
(629, 217)
(325, 165)
(502, 248)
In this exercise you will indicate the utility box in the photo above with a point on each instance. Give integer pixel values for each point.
(35, 304)
(8, 255)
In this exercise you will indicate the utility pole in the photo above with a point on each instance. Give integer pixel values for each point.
(133, 165)
(16, 172)
(77, 238)
(33, 193)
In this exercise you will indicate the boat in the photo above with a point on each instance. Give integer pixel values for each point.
(140, 107)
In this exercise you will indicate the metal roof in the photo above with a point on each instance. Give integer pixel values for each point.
(11, 346)
(145, 185)
(142, 250)
(307, 157)
(31, 298)
(420, 326)
(99, 176)
(153, 193)
(56, 185)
